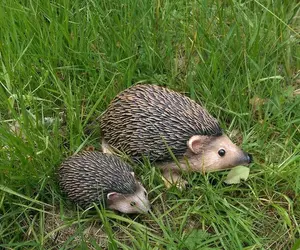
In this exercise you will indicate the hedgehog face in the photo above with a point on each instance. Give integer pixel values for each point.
(130, 203)
(214, 153)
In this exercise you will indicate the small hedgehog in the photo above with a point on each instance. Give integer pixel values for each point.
(104, 179)
(148, 120)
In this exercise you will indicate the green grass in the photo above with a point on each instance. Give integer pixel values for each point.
(67, 59)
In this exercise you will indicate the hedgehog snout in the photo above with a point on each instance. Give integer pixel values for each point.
(143, 204)
(144, 208)
(249, 158)
(245, 159)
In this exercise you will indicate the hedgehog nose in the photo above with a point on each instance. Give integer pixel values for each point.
(249, 158)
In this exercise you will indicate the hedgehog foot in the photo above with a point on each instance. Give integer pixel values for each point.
(106, 149)
(173, 178)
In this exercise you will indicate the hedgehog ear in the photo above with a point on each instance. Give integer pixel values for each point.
(112, 196)
(196, 143)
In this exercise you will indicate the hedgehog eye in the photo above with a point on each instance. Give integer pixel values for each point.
(132, 203)
(221, 152)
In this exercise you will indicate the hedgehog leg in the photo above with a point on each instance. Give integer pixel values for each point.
(172, 178)
(106, 149)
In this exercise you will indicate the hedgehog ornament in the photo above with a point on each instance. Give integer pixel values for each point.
(149, 121)
(104, 179)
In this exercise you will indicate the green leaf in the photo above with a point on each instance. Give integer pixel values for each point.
(296, 245)
(237, 174)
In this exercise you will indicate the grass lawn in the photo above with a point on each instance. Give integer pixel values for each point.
(61, 63)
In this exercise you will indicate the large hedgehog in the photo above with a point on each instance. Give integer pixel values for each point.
(148, 120)
(104, 179)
